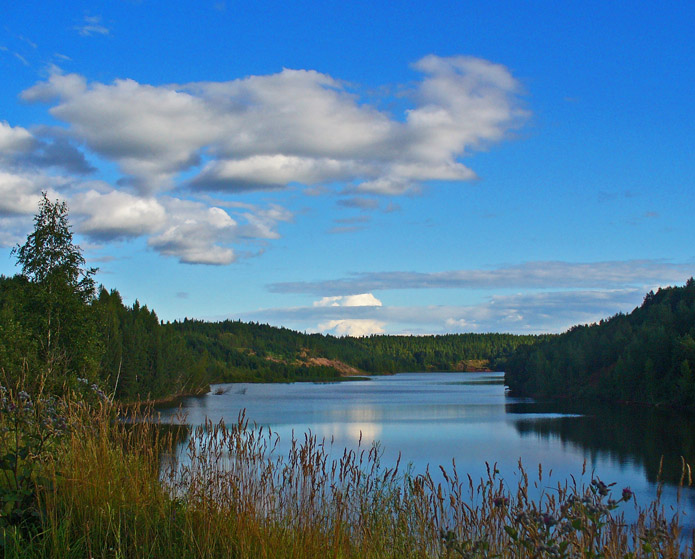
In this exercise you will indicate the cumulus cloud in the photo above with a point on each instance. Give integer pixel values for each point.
(192, 232)
(58, 153)
(355, 327)
(463, 102)
(295, 126)
(116, 214)
(268, 171)
(174, 144)
(20, 149)
(14, 140)
(152, 132)
(196, 234)
(361, 300)
(20, 192)
(12, 231)
(19, 195)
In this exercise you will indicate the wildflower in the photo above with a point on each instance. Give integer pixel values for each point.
(500, 501)
(627, 494)
(99, 392)
(549, 520)
(601, 487)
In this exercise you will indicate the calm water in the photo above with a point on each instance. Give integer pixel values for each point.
(434, 418)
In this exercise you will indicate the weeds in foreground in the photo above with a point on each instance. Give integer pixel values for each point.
(112, 488)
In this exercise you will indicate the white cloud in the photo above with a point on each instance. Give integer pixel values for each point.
(463, 102)
(352, 327)
(295, 126)
(14, 140)
(21, 150)
(259, 132)
(59, 85)
(20, 193)
(447, 170)
(154, 133)
(269, 171)
(295, 112)
(192, 232)
(391, 185)
(118, 214)
(12, 231)
(361, 300)
(196, 234)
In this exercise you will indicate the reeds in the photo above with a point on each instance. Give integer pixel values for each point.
(116, 490)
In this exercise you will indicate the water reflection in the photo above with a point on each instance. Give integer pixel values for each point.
(623, 434)
(355, 432)
(433, 419)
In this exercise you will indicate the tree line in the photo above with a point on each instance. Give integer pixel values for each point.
(57, 328)
(236, 350)
(647, 356)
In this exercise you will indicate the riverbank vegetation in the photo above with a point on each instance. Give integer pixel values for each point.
(647, 356)
(78, 481)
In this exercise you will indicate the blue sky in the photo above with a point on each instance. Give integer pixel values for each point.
(356, 168)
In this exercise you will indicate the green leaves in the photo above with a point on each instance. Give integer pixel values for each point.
(50, 304)
(49, 255)
(29, 431)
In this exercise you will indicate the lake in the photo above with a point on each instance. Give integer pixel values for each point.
(432, 419)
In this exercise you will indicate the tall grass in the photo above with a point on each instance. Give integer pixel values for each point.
(112, 489)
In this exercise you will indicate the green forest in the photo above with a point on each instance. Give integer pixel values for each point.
(57, 329)
(647, 356)
(234, 351)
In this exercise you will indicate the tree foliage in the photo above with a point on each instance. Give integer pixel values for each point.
(237, 350)
(647, 356)
(49, 257)
(51, 308)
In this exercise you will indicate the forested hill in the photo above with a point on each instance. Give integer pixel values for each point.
(236, 350)
(647, 356)
(132, 355)
(57, 331)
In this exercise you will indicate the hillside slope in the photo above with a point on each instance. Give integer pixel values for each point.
(235, 350)
(647, 356)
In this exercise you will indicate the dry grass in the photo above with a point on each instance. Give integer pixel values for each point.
(113, 493)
